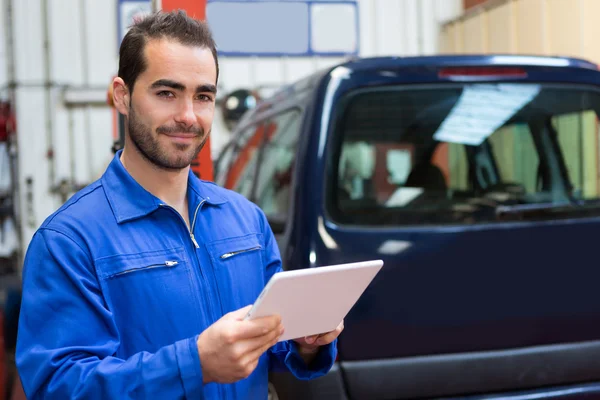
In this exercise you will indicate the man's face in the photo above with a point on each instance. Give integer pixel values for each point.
(173, 103)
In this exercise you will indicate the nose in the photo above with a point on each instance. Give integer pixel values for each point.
(186, 114)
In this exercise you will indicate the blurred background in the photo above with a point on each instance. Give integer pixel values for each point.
(58, 58)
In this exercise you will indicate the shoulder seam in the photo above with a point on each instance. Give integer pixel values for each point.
(71, 239)
(60, 210)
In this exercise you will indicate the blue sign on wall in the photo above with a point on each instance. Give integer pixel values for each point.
(284, 27)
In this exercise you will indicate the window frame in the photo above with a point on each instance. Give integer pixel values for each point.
(300, 114)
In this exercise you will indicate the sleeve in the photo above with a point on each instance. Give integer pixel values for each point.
(284, 356)
(67, 338)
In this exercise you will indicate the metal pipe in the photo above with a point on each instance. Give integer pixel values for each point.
(86, 80)
(9, 42)
(71, 131)
(12, 143)
(48, 82)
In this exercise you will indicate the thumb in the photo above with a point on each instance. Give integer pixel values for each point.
(238, 314)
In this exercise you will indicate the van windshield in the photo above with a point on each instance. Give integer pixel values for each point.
(467, 153)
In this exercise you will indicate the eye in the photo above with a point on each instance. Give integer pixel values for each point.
(165, 94)
(204, 97)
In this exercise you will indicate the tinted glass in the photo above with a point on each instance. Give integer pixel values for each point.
(473, 153)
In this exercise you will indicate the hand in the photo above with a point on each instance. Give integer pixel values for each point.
(309, 346)
(230, 348)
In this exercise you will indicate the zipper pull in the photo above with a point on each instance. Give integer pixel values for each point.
(171, 263)
(194, 240)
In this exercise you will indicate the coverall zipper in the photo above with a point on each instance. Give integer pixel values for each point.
(235, 253)
(204, 281)
(152, 266)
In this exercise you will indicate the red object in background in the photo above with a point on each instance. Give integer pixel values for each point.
(7, 121)
(472, 3)
(203, 165)
(514, 72)
(17, 393)
(245, 154)
(193, 8)
(3, 362)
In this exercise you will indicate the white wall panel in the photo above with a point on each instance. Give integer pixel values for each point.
(60, 143)
(82, 53)
(66, 42)
(101, 140)
(296, 69)
(367, 28)
(234, 73)
(3, 48)
(413, 44)
(28, 36)
(100, 32)
(428, 27)
(78, 136)
(267, 71)
(33, 161)
(389, 30)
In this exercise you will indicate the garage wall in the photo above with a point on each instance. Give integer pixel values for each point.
(386, 28)
(532, 27)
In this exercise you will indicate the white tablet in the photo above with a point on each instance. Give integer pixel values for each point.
(314, 300)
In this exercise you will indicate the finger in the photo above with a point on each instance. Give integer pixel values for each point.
(259, 350)
(267, 340)
(326, 339)
(311, 339)
(238, 314)
(330, 336)
(258, 327)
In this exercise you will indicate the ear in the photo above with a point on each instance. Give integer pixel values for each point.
(121, 96)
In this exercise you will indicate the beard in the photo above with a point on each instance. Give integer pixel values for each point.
(178, 156)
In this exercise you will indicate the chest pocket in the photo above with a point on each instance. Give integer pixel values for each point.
(239, 269)
(150, 292)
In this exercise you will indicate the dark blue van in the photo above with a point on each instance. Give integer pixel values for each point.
(477, 180)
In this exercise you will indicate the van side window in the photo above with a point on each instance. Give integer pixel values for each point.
(241, 173)
(273, 186)
(221, 164)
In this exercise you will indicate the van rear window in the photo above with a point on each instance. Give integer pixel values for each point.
(467, 153)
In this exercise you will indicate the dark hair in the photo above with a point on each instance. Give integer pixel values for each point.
(174, 25)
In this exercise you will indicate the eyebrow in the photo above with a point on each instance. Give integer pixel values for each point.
(168, 83)
(178, 86)
(206, 88)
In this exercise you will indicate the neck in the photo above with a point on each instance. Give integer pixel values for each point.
(168, 185)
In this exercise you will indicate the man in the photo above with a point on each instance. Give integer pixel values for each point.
(138, 286)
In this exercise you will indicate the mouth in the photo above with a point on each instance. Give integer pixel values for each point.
(181, 135)
(182, 138)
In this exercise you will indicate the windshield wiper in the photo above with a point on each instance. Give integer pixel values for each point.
(527, 211)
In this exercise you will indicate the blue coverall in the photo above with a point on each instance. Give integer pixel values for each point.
(116, 290)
